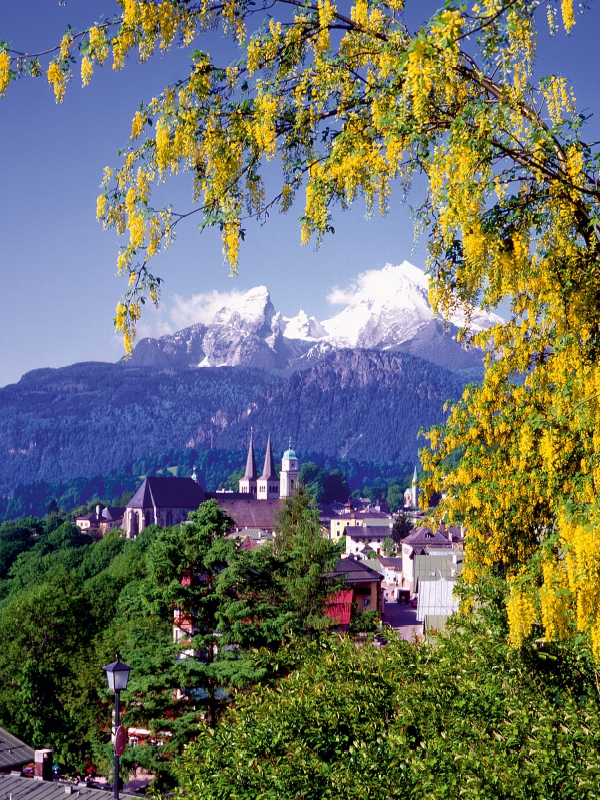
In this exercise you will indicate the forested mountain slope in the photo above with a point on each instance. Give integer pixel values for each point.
(91, 418)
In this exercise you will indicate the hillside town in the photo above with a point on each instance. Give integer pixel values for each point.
(408, 581)
(395, 569)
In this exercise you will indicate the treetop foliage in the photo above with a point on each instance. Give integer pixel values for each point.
(468, 718)
(68, 603)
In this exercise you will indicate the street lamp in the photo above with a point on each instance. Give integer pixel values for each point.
(117, 674)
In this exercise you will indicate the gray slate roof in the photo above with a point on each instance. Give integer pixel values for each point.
(381, 522)
(355, 571)
(29, 789)
(108, 514)
(370, 532)
(13, 752)
(391, 562)
(168, 493)
(423, 536)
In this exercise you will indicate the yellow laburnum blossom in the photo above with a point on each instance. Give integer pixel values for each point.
(567, 14)
(326, 10)
(65, 45)
(87, 70)
(58, 80)
(101, 206)
(4, 72)
(522, 614)
(137, 125)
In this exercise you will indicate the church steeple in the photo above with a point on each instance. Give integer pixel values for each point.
(415, 490)
(290, 474)
(269, 468)
(250, 461)
(267, 486)
(247, 484)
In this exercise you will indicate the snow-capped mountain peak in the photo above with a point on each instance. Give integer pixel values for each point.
(386, 309)
(303, 327)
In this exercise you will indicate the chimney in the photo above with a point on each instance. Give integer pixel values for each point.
(98, 511)
(43, 765)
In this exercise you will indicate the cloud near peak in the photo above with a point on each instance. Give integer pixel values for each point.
(188, 311)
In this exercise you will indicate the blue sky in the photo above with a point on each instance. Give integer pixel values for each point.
(57, 266)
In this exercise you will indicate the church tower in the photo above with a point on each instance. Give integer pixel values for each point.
(247, 484)
(415, 490)
(267, 486)
(289, 475)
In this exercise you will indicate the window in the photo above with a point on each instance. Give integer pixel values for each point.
(169, 518)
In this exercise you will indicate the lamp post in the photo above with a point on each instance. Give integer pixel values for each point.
(117, 674)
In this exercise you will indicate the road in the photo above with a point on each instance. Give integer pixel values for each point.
(403, 618)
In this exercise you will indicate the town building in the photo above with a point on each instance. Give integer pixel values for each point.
(361, 591)
(161, 501)
(289, 476)
(424, 541)
(437, 602)
(247, 484)
(101, 520)
(168, 501)
(14, 754)
(339, 522)
(268, 485)
(361, 537)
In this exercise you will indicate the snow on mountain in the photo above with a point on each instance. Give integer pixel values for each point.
(303, 327)
(238, 333)
(384, 309)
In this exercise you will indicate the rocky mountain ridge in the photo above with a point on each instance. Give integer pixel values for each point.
(388, 310)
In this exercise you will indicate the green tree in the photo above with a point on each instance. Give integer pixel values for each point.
(395, 496)
(401, 528)
(15, 538)
(468, 718)
(42, 630)
(280, 588)
(183, 565)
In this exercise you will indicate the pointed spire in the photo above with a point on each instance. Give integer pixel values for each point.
(250, 461)
(415, 479)
(269, 468)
